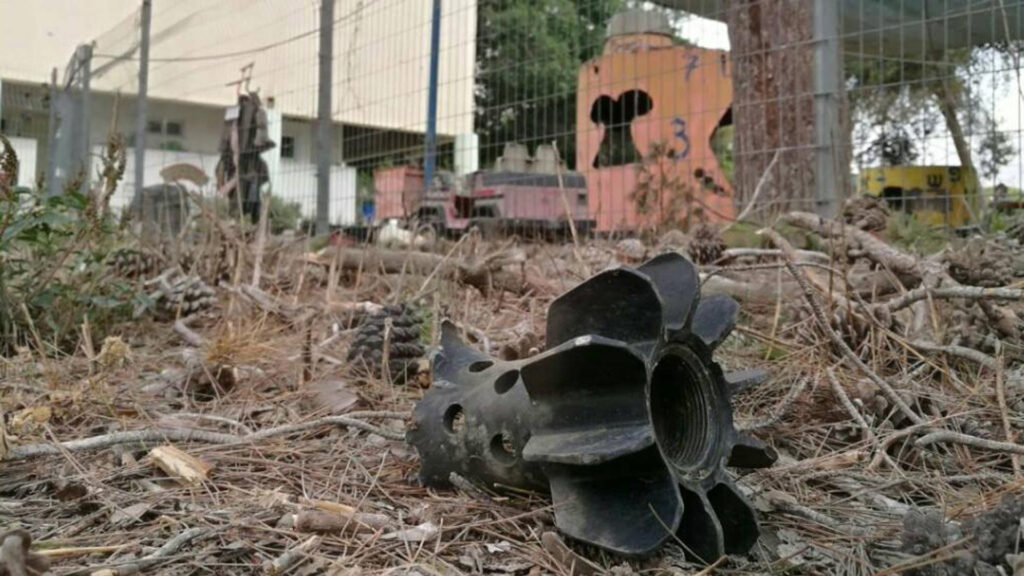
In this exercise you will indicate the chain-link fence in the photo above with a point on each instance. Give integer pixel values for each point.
(563, 116)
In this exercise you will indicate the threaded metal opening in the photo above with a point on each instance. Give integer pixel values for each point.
(683, 412)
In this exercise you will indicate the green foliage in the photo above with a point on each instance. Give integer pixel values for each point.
(53, 270)
(283, 215)
(902, 101)
(722, 147)
(996, 150)
(916, 236)
(528, 55)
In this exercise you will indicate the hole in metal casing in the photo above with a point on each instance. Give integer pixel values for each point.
(455, 419)
(480, 365)
(506, 381)
(503, 449)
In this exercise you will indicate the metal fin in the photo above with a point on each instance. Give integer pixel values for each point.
(621, 304)
(736, 516)
(630, 505)
(588, 446)
(700, 531)
(749, 452)
(609, 380)
(678, 284)
(715, 319)
(455, 355)
(743, 380)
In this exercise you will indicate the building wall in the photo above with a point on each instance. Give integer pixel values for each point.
(380, 65)
(26, 149)
(297, 181)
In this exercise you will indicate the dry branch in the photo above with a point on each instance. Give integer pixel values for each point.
(158, 556)
(290, 558)
(836, 339)
(958, 351)
(876, 250)
(484, 275)
(966, 292)
(192, 435)
(967, 440)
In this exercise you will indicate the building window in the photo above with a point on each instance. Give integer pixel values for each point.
(154, 127)
(287, 147)
(174, 128)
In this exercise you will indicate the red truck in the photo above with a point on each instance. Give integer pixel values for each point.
(504, 201)
(529, 203)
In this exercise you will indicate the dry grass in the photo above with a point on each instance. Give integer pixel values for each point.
(833, 505)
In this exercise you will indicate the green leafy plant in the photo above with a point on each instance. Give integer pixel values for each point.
(283, 215)
(53, 270)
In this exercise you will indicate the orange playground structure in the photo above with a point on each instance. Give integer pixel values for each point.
(649, 106)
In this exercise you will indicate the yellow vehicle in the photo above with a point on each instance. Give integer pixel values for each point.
(939, 195)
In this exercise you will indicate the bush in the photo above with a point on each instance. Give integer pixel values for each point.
(283, 215)
(53, 269)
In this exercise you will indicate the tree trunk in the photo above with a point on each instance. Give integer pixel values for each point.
(947, 104)
(773, 102)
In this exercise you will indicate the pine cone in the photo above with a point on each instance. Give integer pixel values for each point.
(134, 263)
(403, 337)
(213, 267)
(868, 213)
(707, 245)
(981, 263)
(183, 295)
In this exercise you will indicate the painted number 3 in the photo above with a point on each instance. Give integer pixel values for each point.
(679, 129)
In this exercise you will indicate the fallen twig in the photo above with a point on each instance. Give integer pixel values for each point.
(837, 389)
(958, 351)
(148, 561)
(967, 440)
(948, 292)
(192, 435)
(290, 558)
(836, 339)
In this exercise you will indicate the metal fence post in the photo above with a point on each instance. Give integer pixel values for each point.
(430, 153)
(324, 128)
(140, 119)
(827, 129)
(85, 69)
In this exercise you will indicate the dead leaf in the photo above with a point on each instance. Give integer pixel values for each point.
(183, 467)
(273, 499)
(130, 515)
(422, 533)
(503, 546)
(333, 396)
(30, 418)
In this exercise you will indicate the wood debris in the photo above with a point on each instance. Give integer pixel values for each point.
(181, 466)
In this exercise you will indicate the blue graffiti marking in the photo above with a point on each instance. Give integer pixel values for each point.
(680, 132)
(692, 65)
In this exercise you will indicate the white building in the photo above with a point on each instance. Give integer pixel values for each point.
(381, 59)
